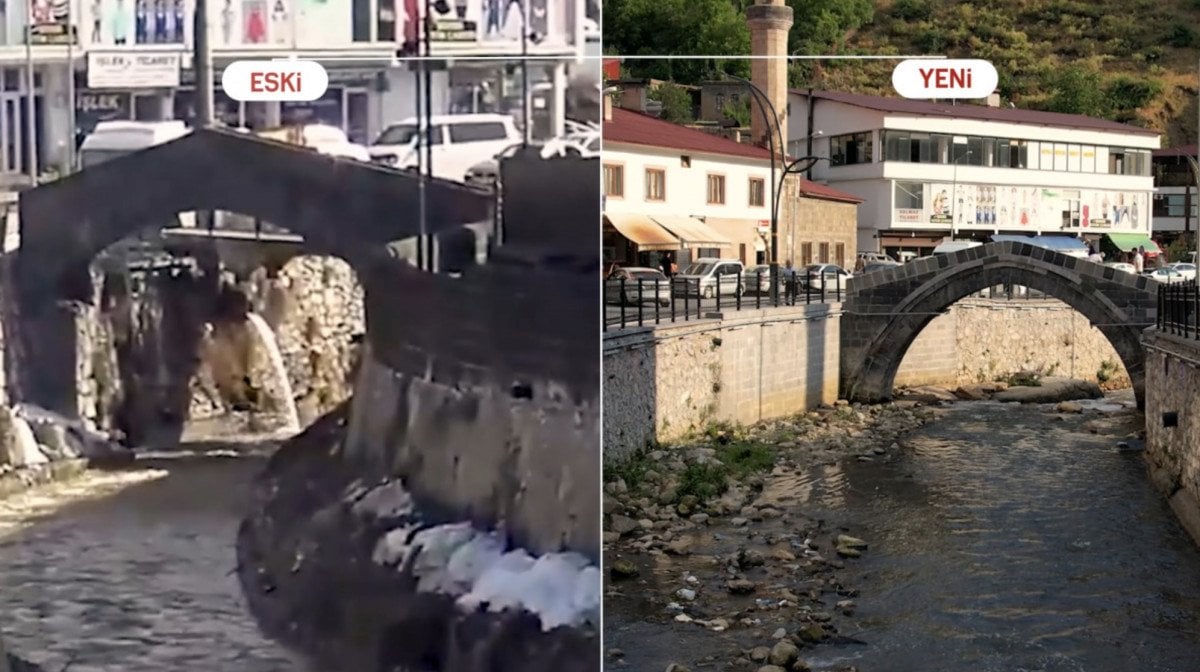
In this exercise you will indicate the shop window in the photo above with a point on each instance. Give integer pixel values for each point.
(851, 149)
(910, 195)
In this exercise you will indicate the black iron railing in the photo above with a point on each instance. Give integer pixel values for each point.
(640, 302)
(1179, 310)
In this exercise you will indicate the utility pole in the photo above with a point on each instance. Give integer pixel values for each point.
(202, 66)
(30, 104)
(72, 34)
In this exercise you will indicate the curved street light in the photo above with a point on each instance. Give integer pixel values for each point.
(777, 184)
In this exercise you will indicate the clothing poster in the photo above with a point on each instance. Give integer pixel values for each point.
(539, 23)
(493, 19)
(254, 21)
(280, 22)
(228, 21)
(385, 22)
(120, 17)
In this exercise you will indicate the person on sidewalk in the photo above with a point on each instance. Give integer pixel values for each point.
(1139, 260)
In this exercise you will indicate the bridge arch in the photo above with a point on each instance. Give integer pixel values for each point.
(885, 311)
(342, 208)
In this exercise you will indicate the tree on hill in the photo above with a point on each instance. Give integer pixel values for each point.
(676, 103)
(677, 27)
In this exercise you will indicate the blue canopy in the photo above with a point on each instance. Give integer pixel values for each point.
(1064, 244)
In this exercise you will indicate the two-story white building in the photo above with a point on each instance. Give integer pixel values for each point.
(132, 59)
(668, 188)
(1175, 202)
(929, 171)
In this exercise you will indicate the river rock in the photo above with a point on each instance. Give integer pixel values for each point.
(851, 542)
(927, 394)
(783, 653)
(771, 668)
(1052, 390)
(622, 525)
(1069, 407)
(812, 633)
(680, 546)
(740, 586)
(759, 654)
(622, 569)
(971, 392)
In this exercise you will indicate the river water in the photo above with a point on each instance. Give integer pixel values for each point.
(1003, 538)
(132, 571)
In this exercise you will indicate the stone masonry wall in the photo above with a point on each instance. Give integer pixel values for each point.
(1173, 453)
(986, 339)
(315, 307)
(662, 383)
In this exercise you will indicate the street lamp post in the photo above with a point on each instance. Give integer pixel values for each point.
(772, 121)
(954, 186)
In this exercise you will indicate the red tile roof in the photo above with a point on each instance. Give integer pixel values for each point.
(926, 108)
(1186, 150)
(635, 128)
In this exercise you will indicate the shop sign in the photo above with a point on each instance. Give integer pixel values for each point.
(132, 70)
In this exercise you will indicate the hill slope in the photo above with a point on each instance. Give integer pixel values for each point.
(1128, 60)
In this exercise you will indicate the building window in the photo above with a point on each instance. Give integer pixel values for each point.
(1129, 162)
(656, 184)
(710, 252)
(839, 253)
(758, 191)
(614, 181)
(716, 190)
(845, 150)
(1172, 205)
(910, 196)
(805, 254)
(823, 253)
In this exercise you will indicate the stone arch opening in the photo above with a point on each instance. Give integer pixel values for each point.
(884, 314)
(346, 212)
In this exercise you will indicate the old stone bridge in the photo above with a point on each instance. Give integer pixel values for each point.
(884, 311)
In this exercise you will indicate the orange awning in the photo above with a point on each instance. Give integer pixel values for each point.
(642, 231)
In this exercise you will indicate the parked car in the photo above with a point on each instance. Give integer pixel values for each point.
(1122, 266)
(704, 275)
(580, 140)
(1166, 275)
(459, 141)
(832, 274)
(875, 258)
(1186, 269)
(879, 266)
(641, 285)
(762, 273)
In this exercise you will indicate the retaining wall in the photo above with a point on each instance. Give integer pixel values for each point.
(662, 383)
(1173, 452)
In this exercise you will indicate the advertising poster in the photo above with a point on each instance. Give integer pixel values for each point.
(1011, 208)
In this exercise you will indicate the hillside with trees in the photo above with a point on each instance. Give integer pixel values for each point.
(1133, 61)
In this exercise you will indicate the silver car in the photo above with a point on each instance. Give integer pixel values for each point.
(634, 285)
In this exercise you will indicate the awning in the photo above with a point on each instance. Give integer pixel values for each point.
(693, 232)
(1065, 244)
(642, 231)
(1128, 242)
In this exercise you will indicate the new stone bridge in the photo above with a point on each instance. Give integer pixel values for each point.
(884, 311)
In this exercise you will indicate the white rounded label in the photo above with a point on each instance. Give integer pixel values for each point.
(285, 80)
(945, 78)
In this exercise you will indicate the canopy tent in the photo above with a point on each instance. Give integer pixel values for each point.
(642, 231)
(1130, 242)
(693, 232)
(1068, 245)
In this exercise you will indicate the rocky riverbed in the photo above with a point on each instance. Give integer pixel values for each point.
(710, 537)
(696, 535)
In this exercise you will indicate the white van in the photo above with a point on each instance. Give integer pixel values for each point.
(459, 141)
(112, 139)
(952, 246)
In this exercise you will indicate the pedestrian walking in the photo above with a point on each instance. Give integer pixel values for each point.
(668, 265)
(1139, 260)
(1094, 255)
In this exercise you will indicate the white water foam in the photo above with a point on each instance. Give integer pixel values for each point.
(561, 589)
(291, 414)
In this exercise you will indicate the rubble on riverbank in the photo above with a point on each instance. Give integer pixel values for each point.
(698, 534)
(315, 560)
(38, 446)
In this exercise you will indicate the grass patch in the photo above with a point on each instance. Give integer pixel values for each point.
(632, 469)
(1024, 379)
(743, 459)
(703, 481)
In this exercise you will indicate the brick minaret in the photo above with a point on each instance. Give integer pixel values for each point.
(769, 22)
